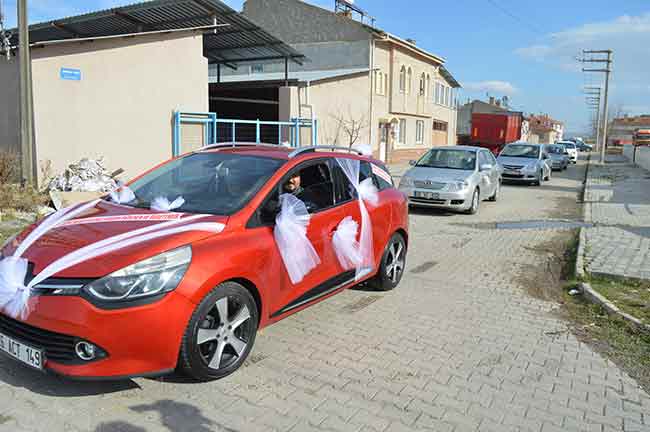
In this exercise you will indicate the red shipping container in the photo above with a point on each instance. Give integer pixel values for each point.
(493, 131)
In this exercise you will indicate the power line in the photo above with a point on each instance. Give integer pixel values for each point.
(517, 18)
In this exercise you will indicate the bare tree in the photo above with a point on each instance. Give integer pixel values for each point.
(351, 128)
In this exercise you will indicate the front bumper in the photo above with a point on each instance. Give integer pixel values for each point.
(138, 341)
(520, 176)
(461, 200)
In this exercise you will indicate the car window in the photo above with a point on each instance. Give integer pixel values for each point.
(312, 184)
(483, 159)
(345, 190)
(521, 150)
(493, 160)
(449, 159)
(211, 182)
(383, 179)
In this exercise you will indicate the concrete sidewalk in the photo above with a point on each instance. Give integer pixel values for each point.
(617, 202)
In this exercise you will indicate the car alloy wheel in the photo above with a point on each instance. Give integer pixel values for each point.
(221, 333)
(476, 202)
(495, 197)
(392, 265)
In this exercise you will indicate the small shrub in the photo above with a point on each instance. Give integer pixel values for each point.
(8, 167)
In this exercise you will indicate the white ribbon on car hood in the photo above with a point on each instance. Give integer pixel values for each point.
(15, 294)
(163, 204)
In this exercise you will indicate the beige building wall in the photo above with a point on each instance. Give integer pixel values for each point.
(122, 108)
(9, 106)
(337, 103)
(389, 102)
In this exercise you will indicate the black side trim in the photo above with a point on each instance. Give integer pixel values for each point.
(155, 374)
(321, 290)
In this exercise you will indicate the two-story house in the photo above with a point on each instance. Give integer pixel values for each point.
(363, 84)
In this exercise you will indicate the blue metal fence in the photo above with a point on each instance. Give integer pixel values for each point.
(294, 133)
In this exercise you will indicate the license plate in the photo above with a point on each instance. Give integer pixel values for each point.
(29, 355)
(515, 172)
(427, 195)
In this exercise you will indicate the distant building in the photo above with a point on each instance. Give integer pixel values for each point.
(545, 130)
(621, 129)
(394, 95)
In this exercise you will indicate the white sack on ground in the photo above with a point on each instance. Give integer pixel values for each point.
(346, 245)
(87, 175)
(163, 204)
(290, 232)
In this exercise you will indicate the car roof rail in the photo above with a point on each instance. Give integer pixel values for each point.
(238, 144)
(312, 149)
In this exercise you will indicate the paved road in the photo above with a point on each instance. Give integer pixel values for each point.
(459, 346)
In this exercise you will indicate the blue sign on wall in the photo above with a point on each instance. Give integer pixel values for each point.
(70, 74)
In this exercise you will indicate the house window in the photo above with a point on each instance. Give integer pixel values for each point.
(385, 83)
(428, 85)
(409, 81)
(447, 96)
(438, 93)
(402, 80)
(442, 127)
(379, 82)
(423, 85)
(419, 132)
(257, 68)
(401, 132)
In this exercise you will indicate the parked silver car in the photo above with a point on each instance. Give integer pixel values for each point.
(527, 163)
(559, 157)
(456, 178)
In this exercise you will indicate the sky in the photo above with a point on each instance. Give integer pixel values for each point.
(522, 49)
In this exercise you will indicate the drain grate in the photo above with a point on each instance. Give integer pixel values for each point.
(542, 225)
(424, 267)
(361, 303)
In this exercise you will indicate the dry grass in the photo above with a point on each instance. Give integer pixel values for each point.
(8, 168)
(25, 199)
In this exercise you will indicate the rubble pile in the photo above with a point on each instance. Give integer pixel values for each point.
(87, 175)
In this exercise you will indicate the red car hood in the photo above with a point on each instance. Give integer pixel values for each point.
(100, 222)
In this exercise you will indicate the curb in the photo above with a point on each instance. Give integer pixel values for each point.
(580, 255)
(595, 297)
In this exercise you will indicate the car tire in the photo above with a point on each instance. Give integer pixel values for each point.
(476, 202)
(209, 334)
(495, 196)
(391, 268)
(548, 177)
(540, 179)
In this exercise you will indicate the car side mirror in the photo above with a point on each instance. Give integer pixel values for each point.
(412, 162)
(486, 167)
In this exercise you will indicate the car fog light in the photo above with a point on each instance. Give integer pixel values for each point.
(85, 351)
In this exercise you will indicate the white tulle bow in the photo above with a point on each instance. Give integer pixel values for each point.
(366, 191)
(122, 195)
(290, 232)
(365, 149)
(163, 204)
(346, 245)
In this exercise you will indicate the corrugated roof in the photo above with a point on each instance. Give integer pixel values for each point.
(300, 76)
(241, 40)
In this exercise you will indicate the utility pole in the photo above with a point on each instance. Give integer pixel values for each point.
(26, 97)
(607, 71)
(593, 101)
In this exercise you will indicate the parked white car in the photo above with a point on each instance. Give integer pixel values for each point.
(571, 149)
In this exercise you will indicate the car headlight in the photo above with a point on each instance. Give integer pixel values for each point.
(406, 182)
(531, 167)
(159, 274)
(457, 186)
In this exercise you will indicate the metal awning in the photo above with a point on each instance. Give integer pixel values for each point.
(236, 40)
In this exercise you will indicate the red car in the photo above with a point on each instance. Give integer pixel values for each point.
(194, 299)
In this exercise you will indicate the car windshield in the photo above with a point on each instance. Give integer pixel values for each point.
(556, 149)
(449, 159)
(210, 183)
(521, 150)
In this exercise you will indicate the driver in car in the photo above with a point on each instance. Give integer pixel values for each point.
(293, 186)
